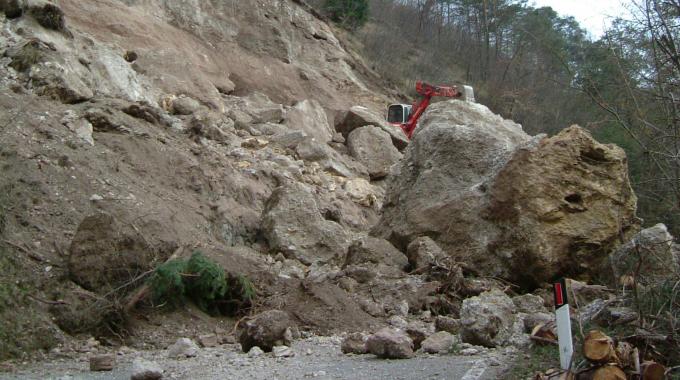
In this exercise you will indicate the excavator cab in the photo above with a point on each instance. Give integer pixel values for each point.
(399, 113)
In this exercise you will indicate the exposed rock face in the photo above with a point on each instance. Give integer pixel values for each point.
(522, 208)
(488, 320)
(310, 117)
(373, 148)
(390, 344)
(266, 330)
(652, 249)
(358, 116)
(293, 224)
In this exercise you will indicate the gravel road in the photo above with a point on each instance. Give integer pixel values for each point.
(315, 358)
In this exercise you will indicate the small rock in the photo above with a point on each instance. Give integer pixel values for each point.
(439, 343)
(282, 352)
(354, 343)
(390, 344)
(101, 363)
(255, 352)
(208, 340)
(183, 348)
(146, 370)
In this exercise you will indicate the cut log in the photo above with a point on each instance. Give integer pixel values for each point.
(652, 371)
(609, 372)
(599, 348)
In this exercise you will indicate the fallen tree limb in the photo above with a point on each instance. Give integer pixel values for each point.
(142, 292)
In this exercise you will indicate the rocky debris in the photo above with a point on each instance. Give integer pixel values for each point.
(418, 332)
(262, 110)
(354, 343)
(309, 116)
(266, 330)
(289, 139)
(649, 256)
(358, 116)
(448, 324)
(254, 143)
(381, 257)
(364, 193)
(470, 179)
(488, 319)
(423, 252)
(184, 105)
(390, 344)
(105, 250)
(294, 224)
(146, 370)
(535, 319)
(372, 147)
(59, 82)
(183, 348)
(102, 363)
(83, 130)
(529, 304)
(439, 343)
(212, 126)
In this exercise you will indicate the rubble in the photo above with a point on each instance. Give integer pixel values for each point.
(265, 331)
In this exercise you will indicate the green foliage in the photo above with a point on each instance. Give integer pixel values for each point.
(203, 282)
(167, 282)
(207, 283)
(349, 13)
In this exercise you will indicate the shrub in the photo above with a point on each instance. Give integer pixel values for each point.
(203, 282)
(349, 13)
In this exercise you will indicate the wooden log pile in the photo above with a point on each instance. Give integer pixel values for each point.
(605, 359)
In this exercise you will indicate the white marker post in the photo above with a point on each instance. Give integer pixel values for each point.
(563, 323)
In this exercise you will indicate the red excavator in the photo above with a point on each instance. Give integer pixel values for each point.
(405, 116)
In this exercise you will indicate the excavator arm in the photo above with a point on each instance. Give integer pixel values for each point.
(427, 92)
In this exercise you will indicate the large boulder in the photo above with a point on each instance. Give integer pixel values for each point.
(293, 224)
(377, 256)
(358, 116)
(266, 330)
(521, 208)
(649, 255)
(372, 147)
(107, 252)
(310, 117)
(390, 344)
(488, 319)
(423, 252)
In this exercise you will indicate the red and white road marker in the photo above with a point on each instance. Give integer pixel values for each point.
(563, 323)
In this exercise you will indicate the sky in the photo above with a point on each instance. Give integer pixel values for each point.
(593, 15)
